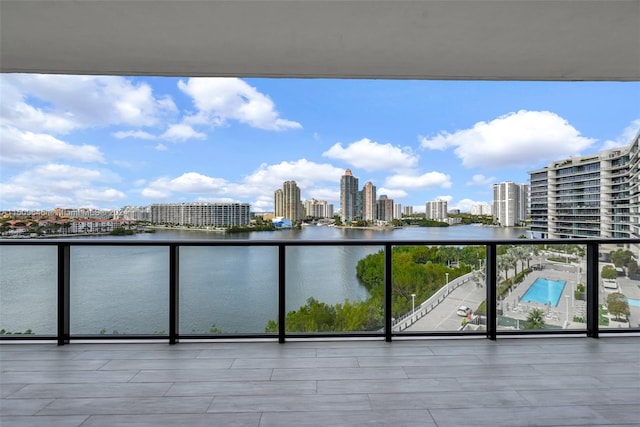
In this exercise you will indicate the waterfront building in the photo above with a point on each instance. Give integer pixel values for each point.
(201, 214)
(482, 209)
(287, 202)
(318, 209)
(138, 213)
(397, 211)
(369, 202)
(436, 210)
(384, 208)
(349, 196)
(510, 201)
(407, 210)
(590, 196)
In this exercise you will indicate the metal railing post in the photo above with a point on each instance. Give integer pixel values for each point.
(174, 294)
(64, 297)
(593, 308)
(492, 293)
(282, 300)
(388, 288)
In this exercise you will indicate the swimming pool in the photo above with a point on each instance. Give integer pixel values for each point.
(544, 291)
(633, 302)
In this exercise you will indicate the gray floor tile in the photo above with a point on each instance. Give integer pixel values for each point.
(218, 388)
(338, 373)
(171, 420)
(129, 405)
(43, 421)
(447, 399)
(619, 414)
(53, 365)
(122, 364)
(295, 403)
(388, 386)
(22, 406)
(7, 390)
(85, 390)
(404, 418)
(582, 396)
(166, 375)
(303, 362)
(66, 376)
(519, 416)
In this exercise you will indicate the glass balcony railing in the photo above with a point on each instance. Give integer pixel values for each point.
(68, 290)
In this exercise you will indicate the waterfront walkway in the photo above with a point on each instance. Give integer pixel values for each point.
(472, 382)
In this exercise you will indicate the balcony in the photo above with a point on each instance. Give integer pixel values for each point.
(75, 290)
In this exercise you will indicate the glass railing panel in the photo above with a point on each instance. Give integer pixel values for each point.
(228, 290)
(119, 290)
(619, 287)
(541, 287)
(28, 290)
(326, 294)
(439, 289)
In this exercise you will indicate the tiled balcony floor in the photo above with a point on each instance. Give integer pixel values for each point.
(509, 382)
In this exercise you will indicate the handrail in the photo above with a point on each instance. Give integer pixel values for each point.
(392, 328)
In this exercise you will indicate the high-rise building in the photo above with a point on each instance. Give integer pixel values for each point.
(369, 201)
(287, 202)
(201, 214)
(408, 210)
(397, 211)
(318, 209)
(278, 203)
(510, 202)
(590, 196)
(384, 208)
(437, 210)
(482, 209)
(349, 196)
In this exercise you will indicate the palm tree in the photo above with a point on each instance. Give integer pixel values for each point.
(535, 320)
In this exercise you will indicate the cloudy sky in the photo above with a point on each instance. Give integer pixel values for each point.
(106, 142)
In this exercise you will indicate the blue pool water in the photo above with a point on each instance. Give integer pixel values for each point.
(544, 291)
(634, 302)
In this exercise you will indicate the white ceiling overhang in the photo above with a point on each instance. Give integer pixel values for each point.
(448, 39)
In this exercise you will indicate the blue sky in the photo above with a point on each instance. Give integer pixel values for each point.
(106, 142)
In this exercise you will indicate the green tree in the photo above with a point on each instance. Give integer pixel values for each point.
(618, 306)
(535, 320)
(621, 257)
(609, 272)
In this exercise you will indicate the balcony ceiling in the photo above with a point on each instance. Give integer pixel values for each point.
(447, 39)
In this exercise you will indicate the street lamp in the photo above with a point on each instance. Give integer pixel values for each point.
(447, 283)
(413, 307)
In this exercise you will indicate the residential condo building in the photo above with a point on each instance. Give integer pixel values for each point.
(510, 203)
(369, 201)
(590, 196)
(436, 210)
(349, 196)
(201, 214)
(287, 202)
(384, 209)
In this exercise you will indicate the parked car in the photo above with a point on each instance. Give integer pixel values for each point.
(463, 311)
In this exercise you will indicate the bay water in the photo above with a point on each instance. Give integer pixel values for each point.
(124, 290)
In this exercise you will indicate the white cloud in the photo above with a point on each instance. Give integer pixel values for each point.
(373, 156)
(182, 132)
(27, 147)
(59, 185)
(481, 180)
(61, 103)
(161, 147)
(138, 134)
(625, 138)
(219, 99)
(392, 193)
(521, 139)
(424, 181)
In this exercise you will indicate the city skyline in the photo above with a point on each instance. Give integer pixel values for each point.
(108, 142)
